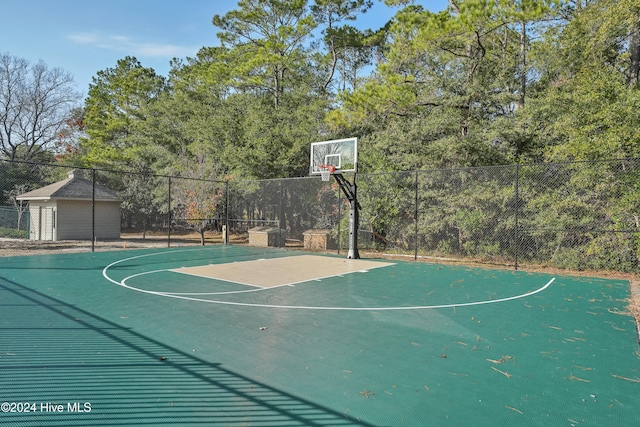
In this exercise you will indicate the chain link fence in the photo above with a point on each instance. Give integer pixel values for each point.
(286, 207)
(580, 216)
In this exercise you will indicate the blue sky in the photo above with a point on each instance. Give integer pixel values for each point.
(86, 36)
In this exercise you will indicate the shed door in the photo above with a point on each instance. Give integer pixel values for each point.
(45, 225)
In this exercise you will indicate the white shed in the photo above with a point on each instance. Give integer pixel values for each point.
(63, 211)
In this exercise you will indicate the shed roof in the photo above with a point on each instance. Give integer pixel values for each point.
(75, 187)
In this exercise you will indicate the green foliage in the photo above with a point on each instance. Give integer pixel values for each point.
(604, 252)
(12, 233)
(454, 78)
(585, 106)
(266, 39)
(348, 51)
(115, 103)
(480, 83)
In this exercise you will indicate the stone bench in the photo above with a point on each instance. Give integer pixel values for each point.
(267, 236)
(318, 240)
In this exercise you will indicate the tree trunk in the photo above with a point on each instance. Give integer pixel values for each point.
(634, 50)
(334, 62)
(523, 63)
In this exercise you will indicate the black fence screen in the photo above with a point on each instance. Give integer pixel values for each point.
(581, 215)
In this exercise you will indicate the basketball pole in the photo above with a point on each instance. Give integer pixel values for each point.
(351, 192)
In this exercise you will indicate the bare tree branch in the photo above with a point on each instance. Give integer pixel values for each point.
(35, 103)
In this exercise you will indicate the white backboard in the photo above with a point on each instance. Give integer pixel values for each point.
(342, 154)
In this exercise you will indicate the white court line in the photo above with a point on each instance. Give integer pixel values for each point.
(420, 307)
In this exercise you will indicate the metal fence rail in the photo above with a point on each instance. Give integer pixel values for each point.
(580, 215)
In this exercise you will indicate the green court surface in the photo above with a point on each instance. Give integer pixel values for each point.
(145, 338)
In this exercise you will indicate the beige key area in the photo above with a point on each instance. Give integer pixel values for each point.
(268, 273)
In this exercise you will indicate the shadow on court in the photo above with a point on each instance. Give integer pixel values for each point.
(66, 366)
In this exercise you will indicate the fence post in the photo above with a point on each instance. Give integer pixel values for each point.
(339, 218)
(169, 214)
(415, 219)
(517, 208)
(281, 239)
(226, 221)
(93, 210)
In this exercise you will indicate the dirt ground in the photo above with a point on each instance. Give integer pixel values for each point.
(20, 247)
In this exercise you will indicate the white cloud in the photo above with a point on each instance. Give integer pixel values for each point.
(83, 38)
(128, 46)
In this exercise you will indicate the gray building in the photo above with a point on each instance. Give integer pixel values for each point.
(63, 210)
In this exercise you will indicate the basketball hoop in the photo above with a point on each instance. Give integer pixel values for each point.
(326, 172)
(334, 158)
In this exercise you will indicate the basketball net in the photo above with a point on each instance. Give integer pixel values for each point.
(326, 171)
